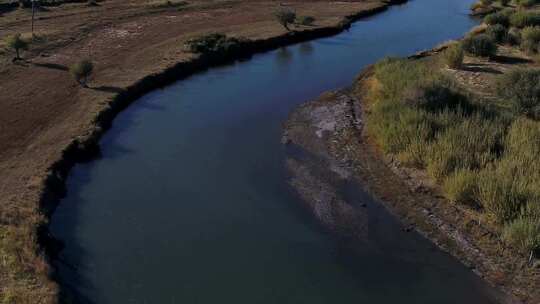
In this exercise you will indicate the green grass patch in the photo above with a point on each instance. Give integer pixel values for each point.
(484, 155)
(523, 18)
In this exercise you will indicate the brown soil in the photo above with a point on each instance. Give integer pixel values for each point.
(43, 110)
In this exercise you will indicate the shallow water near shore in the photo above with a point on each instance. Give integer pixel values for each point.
(189, 202)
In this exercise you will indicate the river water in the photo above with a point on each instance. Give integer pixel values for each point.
(189, 202)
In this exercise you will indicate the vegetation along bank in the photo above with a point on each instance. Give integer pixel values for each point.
(461, 128)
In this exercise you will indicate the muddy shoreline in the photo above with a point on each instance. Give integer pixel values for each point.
(332, 128)
(86, 146)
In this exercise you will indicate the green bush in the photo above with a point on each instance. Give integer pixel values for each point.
(306, 20)
(461, 186)
(509, 187)
(215, 44)
(497, 18)
(470, 144)
(81, 71)
(521, 87)
(397, 126)
(523, 233)
(530, 38)
(397, 75)
(453, 56)
(436, 96)
(526, 3)
(523, 140)
(522, 19)
(497, 33)
(500, 193)
(513, 36)
(414, 153)
(484, 156)
(16, 43)
(480, 45)
(285, 16)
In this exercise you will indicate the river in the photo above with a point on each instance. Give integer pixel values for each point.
(189, 202)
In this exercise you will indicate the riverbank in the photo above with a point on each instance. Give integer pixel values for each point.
(50, 123)
(411, 194)
(454, 230)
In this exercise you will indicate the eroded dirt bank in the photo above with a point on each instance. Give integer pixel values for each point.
(331, 128)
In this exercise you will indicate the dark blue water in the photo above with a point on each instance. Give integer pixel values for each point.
(190, 202)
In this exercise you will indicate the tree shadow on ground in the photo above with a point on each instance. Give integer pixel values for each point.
(480, 68)
(511, 60)
(53, 66)
(108, 89)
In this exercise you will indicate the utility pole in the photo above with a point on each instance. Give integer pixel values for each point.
(33, 14)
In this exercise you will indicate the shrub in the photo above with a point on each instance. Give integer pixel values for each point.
(480, 45)
(414, 153)
(461, 186)
(497, 18)
(529, 46)
(518, 174)
(511, 184)
(530, 38)
(81, 71)
(522, 147)
(526, 3)
(285, 16)
(436, 96)
(513, 36)
(521, 87)
(214, 44)
(16, 43)
(500, 193)
(522, 19)
(523, 233)
(470, 144)
(497, 33)
(400, 121)
(453, 56)
(504, 2)
(397, 75)
(306, 20)
(397, 126)
(483, 155)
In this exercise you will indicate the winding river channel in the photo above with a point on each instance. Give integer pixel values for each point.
(190, 203)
